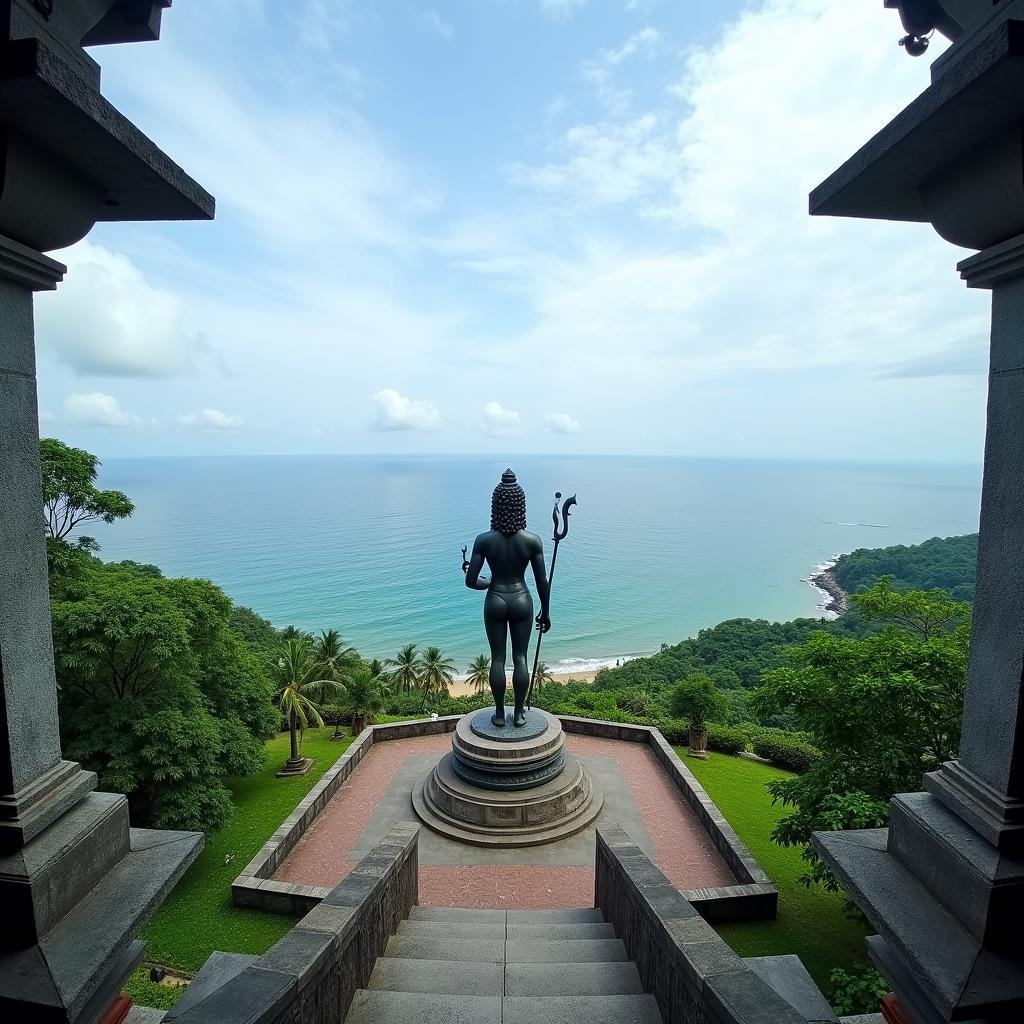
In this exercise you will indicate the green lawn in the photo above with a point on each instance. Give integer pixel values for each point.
(811, 922)
(199, 917)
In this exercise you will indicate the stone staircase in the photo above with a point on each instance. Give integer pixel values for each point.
(449, 966)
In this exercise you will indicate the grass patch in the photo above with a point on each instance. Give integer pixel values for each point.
(811, 922)
(199, 917)
(149, 993)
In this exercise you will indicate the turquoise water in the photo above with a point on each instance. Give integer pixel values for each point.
(658, 548)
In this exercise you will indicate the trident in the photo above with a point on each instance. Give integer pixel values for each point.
(561, 529)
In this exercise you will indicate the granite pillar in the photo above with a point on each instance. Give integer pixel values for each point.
(944, 884)
(76, 882)
(35, 784)
(986, 785)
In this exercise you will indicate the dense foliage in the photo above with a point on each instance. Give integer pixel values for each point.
(157, 693)
(882, 709)
(947, 562)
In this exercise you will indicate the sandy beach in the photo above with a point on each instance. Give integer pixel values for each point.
(460, 688)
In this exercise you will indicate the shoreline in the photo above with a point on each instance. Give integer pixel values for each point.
(825, 583)
(462, 688)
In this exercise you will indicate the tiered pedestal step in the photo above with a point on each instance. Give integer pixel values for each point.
(507, 786)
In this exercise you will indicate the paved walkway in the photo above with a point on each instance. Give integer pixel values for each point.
(638, 795)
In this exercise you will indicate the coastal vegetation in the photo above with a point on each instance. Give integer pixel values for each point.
(949, 563)
(177, 697)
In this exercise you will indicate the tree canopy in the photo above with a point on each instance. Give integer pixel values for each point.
(947, 562)
(882, 709)
(157, 693)
(70, 494)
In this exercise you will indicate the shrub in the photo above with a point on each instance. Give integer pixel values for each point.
(726, 739)
(677, 733)
(792, 754)
(698, 700)
(857, 992)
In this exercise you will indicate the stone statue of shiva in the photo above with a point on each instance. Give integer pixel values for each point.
(508, 548)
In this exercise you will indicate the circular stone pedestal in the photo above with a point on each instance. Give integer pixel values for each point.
(507, 786)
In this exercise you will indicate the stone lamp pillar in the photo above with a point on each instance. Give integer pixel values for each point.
(944, 884)
(76, 883)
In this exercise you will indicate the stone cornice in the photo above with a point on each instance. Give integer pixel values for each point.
(995, 264)
(27, 267)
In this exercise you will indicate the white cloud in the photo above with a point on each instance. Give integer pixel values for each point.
(396, 412)
(497, 421)
(211, 419)
(96, 409)
(562, 423)
(108, 319)
(725, 270)
(433, 21)
(45, 416)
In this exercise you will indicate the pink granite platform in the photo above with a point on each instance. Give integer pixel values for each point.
(639, 795)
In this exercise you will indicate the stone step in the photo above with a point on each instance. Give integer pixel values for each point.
(427, 976)
(443, 930)
(787, 975)
(584, 915)
(60, 865)
(592, 979)
(559, 931)
(144, 1015)
(612, 1009)
(371, 1006)
(420, 947)
(916, 928)
(75, 959)
(564, 951)
(218, 970)
(455, 915)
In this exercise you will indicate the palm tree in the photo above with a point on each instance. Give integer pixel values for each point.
(435, 674)
(296, 670)
(405, 669)
(335, 662)
(366, 693)
(479, 673)
(544, 677)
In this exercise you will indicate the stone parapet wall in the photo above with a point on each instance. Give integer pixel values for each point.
(312, 973)
(695, 977)
(754, 896)
(255, 887)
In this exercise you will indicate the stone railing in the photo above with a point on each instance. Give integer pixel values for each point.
(255, 887)
(312, 973)
(695, 977)
(753, 896)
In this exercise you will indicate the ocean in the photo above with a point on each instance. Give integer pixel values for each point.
(658, 548)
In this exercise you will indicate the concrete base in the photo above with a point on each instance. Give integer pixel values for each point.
(300, 768)
(507, 786)
(449, 805)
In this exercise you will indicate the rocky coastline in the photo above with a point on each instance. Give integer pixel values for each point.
(826, 582)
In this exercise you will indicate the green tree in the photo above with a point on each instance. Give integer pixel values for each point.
(157, 694)
(543, 677)
(698, 701)
(71, 498)
(299, 690)
(479, 673)
(366, 693)
(335, 660)
(405, 669)
(436, 673)
(882, 708)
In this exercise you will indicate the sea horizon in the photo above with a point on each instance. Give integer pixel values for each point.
(659, 546)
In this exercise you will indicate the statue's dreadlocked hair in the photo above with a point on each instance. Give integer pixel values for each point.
(508, 505)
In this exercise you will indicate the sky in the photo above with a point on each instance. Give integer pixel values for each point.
(495, 226)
